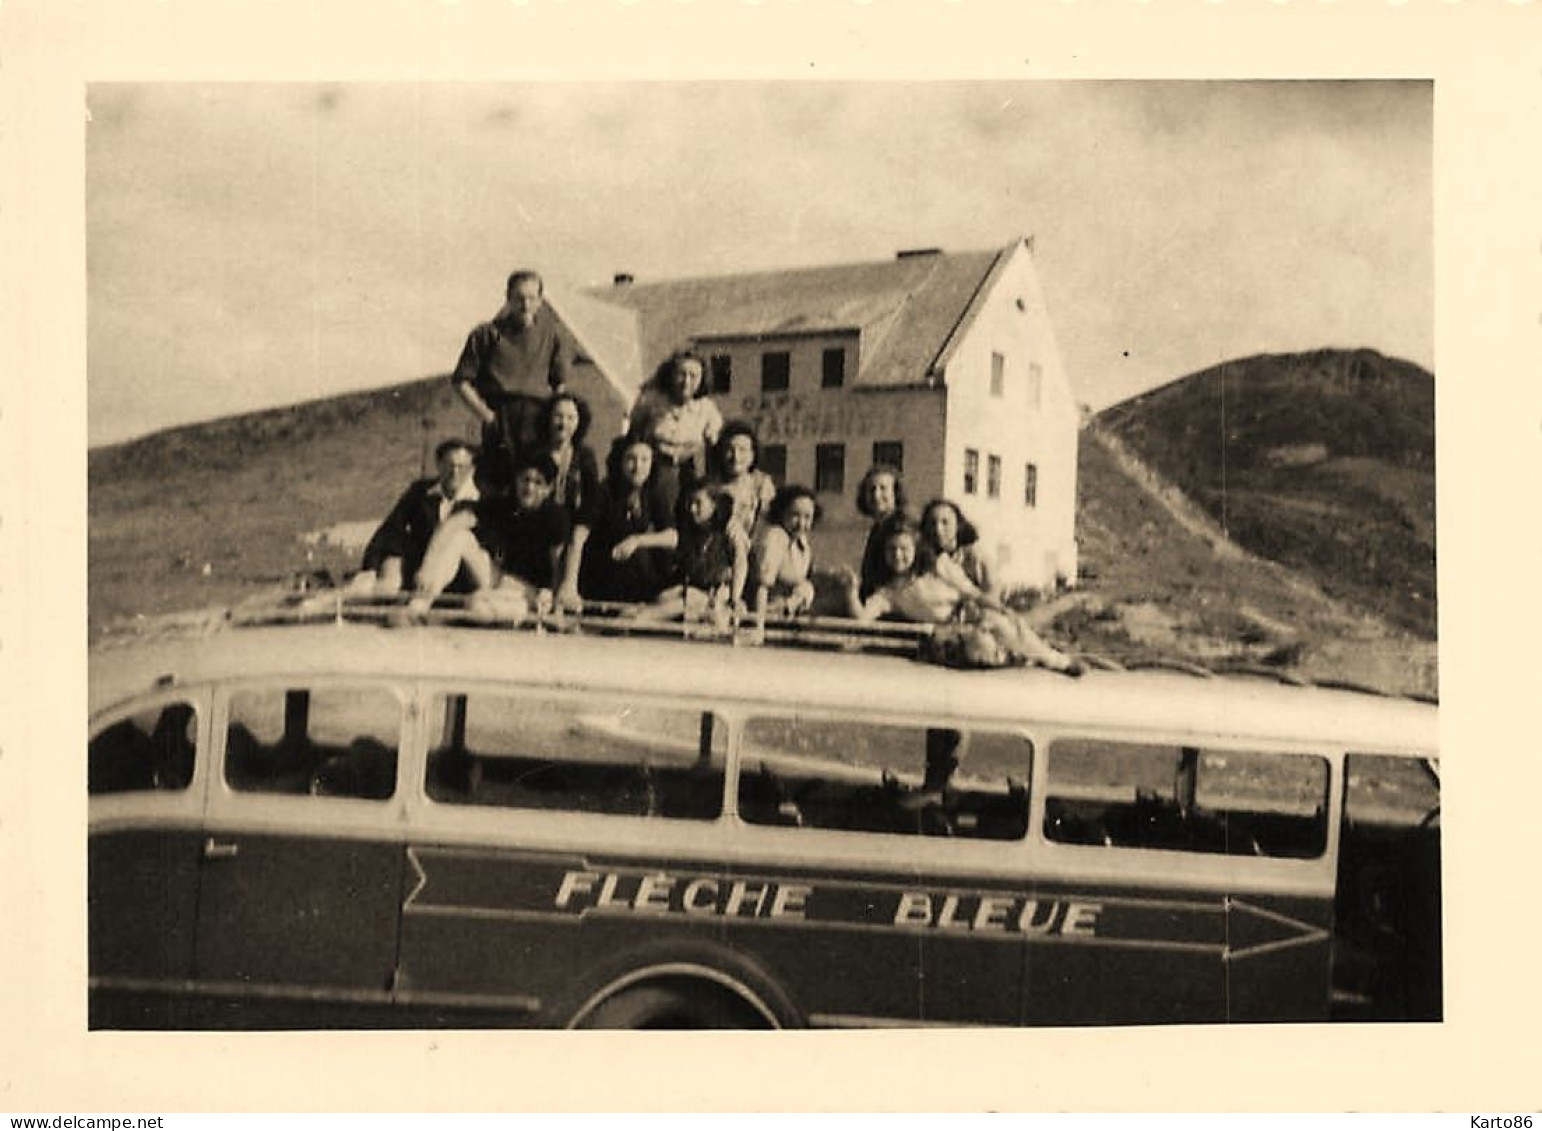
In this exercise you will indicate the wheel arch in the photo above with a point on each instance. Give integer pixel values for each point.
(720, 971)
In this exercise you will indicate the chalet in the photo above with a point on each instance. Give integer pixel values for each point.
(943, 365)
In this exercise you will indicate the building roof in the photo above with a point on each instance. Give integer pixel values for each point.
(605, 333)
(909, 310)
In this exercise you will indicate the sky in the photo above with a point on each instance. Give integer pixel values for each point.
(250, 245)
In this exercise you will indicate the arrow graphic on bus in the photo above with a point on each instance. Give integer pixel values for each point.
(490, 884)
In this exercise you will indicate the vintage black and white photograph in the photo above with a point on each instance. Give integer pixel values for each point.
(761, 554)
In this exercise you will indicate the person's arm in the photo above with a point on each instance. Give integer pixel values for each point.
(567, 596)
(390, 537)
(711, 425)
(473, 400)
(465, 375)
(588, 479)
(953, 573)
(666, 539)
(858, 609)
(559, 367)
(559, 536)
(741, 565)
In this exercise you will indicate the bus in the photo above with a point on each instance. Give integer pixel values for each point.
(325, 822)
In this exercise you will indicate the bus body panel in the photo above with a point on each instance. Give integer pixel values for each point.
(262, 910)
(300, 910)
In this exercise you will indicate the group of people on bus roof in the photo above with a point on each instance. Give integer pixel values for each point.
(682, 522)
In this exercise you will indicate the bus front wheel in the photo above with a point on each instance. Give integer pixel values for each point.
(674, 1004)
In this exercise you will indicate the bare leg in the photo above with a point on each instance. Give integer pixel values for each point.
(389, 582)
(1024, 642)
(449, 550)
(672, 604)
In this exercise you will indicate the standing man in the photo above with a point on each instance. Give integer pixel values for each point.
(508, 368)
(392, 558)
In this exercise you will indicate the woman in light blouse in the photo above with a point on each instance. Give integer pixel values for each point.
(783, 561)
(681, 423)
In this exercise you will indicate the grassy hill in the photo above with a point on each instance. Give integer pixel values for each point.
(210, 513)
(206, 513)
(1322, 461)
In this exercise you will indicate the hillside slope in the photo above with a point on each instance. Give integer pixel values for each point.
(1161, 581)
(1322, 461)
(202, 514)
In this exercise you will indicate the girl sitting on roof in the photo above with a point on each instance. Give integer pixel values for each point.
(565, 421)
(943, 594)
(620, 548)
(749, 489)
(674, 414)
(881, 497)
(783, 560)
(947, 534)
(711, 559)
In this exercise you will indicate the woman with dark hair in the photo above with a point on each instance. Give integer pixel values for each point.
(783, 561)
(946, 533)
(943, 595)
(621, 545)
(750, 489)
(674, 415)
(711, 559)
(881, 497)
(564, 422)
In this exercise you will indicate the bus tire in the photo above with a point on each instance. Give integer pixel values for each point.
(676, 1003)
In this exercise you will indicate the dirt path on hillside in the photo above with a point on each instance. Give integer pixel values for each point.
(1211, 600)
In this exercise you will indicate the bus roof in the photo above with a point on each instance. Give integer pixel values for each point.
(1108, 701)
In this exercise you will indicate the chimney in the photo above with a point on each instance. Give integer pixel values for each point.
(622, 279)
(917, 252)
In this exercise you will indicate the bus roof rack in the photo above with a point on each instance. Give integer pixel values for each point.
(601, 618)
(312, 601)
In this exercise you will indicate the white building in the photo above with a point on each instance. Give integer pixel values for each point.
(944, 365)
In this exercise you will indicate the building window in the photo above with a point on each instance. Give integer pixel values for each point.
(889, 453)
(1031, 485)
(772, 459)
(998, 374)
(971, 471)
(775, 371)
(993, 476)
(722, 373)
(833, 369)
(1035, 383)
(830, 467)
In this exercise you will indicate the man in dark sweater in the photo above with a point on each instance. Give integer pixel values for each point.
(392, 558)
(508, 367)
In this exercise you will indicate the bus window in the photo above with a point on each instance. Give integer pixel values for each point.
(884, 778)
(1388, 908)
(333, 742)
(152, 749)
(1140, 795)
(1390, 791)
(588, 755)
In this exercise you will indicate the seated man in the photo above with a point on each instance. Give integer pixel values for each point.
(395, 553)
(511, 547)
